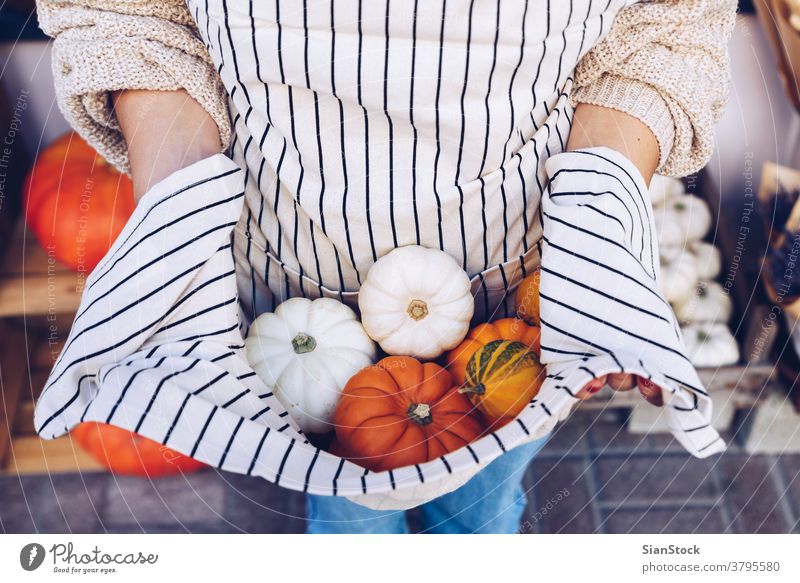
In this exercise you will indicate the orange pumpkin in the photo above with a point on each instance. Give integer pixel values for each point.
(76, 203)
(504, 329)
(527, 299)
(127, 453)
(400, 412)
(502, 378)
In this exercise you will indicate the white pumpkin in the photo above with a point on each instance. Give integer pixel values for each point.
(709, 259)
(710, 344)
(663, 188)
(708, 303)
(678, 276)
(305, 352)
(668, 231)
(692, 215)
(416, 301)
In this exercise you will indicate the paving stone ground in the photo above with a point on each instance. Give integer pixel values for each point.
(592, 476)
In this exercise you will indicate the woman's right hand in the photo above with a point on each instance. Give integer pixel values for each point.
(165, 131)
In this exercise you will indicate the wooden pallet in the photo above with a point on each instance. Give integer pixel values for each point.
(38, 300)
(25, 362)
(33, 283)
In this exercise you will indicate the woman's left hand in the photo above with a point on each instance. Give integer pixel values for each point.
(623, 382)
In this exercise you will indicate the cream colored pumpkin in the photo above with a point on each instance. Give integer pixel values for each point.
(678, 276)
(709, 259)
(691, 214)
(681, 219)
(662, 188)
(416, 301)
(305, 352)
(708, 303)
(710, 345)
(668, 232)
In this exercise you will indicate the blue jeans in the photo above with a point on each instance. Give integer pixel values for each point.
(491, 502)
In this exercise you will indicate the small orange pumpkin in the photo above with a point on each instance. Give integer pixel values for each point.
(502, 378)
(504, 329)
(76, 203)
(527, 299)
(400, 412)
(127, 453)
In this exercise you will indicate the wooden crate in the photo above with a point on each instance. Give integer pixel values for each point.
(25, 362)
(38, 300)
(33, 283)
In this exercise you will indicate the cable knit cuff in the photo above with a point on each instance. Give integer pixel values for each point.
(113, 52)
(634, 98)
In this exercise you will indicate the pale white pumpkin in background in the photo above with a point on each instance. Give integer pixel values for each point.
(690, 213)
(664, 187)
(416, 301)
(708, 303)
(709, 259)
(710, 344)
(305, 352)
(678, 276)
(668, 231)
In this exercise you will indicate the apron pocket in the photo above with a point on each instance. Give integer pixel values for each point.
(286, 282)
(494, 288)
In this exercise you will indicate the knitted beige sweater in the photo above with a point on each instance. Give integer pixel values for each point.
(664, 62)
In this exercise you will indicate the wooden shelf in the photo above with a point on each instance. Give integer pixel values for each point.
(30, 454)
(33, 283)
(25, 362)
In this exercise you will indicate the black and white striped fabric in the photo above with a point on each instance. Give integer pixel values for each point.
(600, 305)
(361, 127)
(156, 348)
(365, 126)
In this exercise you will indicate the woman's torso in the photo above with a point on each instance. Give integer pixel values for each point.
(370, 125)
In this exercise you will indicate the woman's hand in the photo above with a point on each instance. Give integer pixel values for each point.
(623, 382)
(165, 131)
(601, 126)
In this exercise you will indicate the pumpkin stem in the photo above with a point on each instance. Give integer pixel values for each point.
(478, 389)
(417, 309)
(303, 343)
(420, 413)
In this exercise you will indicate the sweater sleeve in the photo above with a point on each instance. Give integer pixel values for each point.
(666, 63)
(106, 45)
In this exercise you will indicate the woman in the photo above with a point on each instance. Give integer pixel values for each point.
(363, 127)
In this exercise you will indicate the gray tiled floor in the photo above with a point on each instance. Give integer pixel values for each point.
(592, 476)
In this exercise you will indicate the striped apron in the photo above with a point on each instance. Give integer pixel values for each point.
(359, 127)
(364, 126)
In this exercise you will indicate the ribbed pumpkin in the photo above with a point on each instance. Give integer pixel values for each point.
(504, 329)
(527, 299)
(401, 412)
(127, 453)
(502, 378)
(76, 203)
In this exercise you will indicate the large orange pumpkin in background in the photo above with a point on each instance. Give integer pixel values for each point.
(76, 203)
(127, 453)
(400, 412)
(504, 329)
